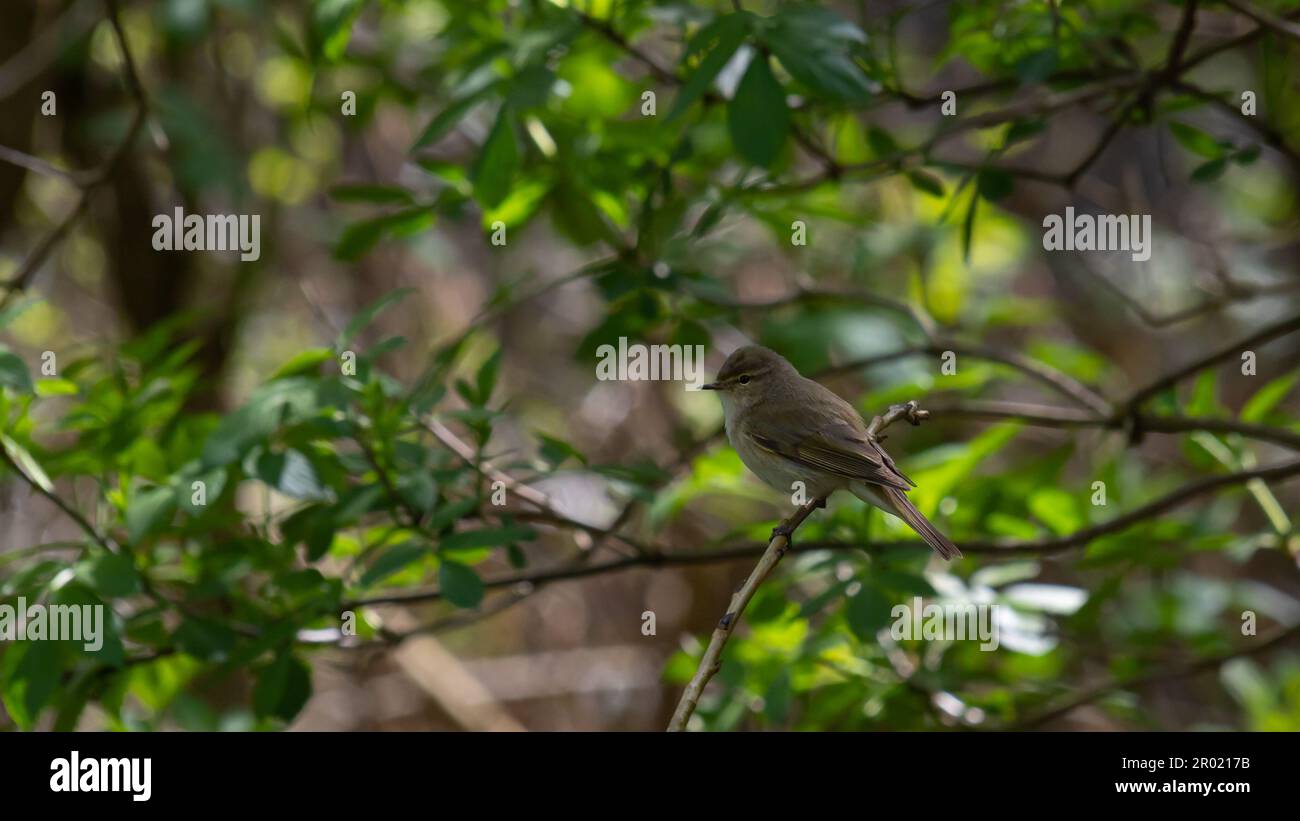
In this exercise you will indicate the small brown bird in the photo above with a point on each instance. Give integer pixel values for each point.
(790, 429)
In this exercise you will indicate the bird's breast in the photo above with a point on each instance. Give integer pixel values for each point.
(776, 471)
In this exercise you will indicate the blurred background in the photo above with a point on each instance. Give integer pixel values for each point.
(471, 197)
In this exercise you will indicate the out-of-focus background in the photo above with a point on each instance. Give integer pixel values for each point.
(460, 202)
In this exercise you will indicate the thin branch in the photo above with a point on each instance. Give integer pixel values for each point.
(1265, 18)
(1059, 381)
(1183, 671)
(923, 321)
(1270, 135)
(1260, 337)
(611, 34)
(22, 160)
(1228, 45)
(1150, 510)
(1050, 416)
(1186, 24)
(532, 495)
(1042, 547)
(1233, 292)
(68, 510)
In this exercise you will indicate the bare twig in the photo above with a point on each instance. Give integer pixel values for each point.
(68, 510)
(1265, 18)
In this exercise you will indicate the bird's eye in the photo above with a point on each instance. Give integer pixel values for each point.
(744, 380)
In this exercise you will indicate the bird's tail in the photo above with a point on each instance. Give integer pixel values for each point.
(892, 500)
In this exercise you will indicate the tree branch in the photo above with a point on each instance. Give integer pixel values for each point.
(1050, 416)
(1265, 18)
(68, 510)
(1183, 671)
(1266, 334)
(1042, 547)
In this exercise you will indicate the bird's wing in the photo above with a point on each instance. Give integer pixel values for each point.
(835, 442)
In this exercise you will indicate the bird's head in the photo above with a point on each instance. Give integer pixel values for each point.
(749, 373)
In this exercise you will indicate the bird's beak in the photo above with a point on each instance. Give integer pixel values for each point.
(711, 386)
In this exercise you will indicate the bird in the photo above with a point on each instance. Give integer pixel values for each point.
(787, 428)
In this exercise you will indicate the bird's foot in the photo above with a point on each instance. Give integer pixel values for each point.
(784, 529)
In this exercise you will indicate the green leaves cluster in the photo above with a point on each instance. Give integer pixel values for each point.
(353, 494)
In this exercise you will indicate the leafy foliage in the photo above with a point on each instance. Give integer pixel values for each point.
(227, 548)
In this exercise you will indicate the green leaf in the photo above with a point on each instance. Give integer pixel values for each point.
(777, 699)
(814, 44)
(292, 474)
(1037, 67)
(1205, 395)
(459, 584)
(487, 537)
(271, 405)
(29, 677)
(205, 638)
(314, 526)
(867, 612)
(757, 116)
(360, 237)
(994, 183)
(1247, 155)
(282, 688)
(556, 452)
(16, 310)
(1022, 130)
(392, 560)
(487, 376)
(1266, 398)
(1195, 140)
(368, 314)
(13, 372)
(968, 228)
(715, 43)
(27, 464)
(56, 387)
(447, 119)
(378, 194)
(1057, 509)
(111, 575)
(306, 362)
(148, 510)
(453, 512)
(882, 142)
(497, 162)
(924, 181)
(418, 490)
(331, 26)
(1210, 171)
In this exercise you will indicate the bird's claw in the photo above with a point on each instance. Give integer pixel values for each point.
(911, 411)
